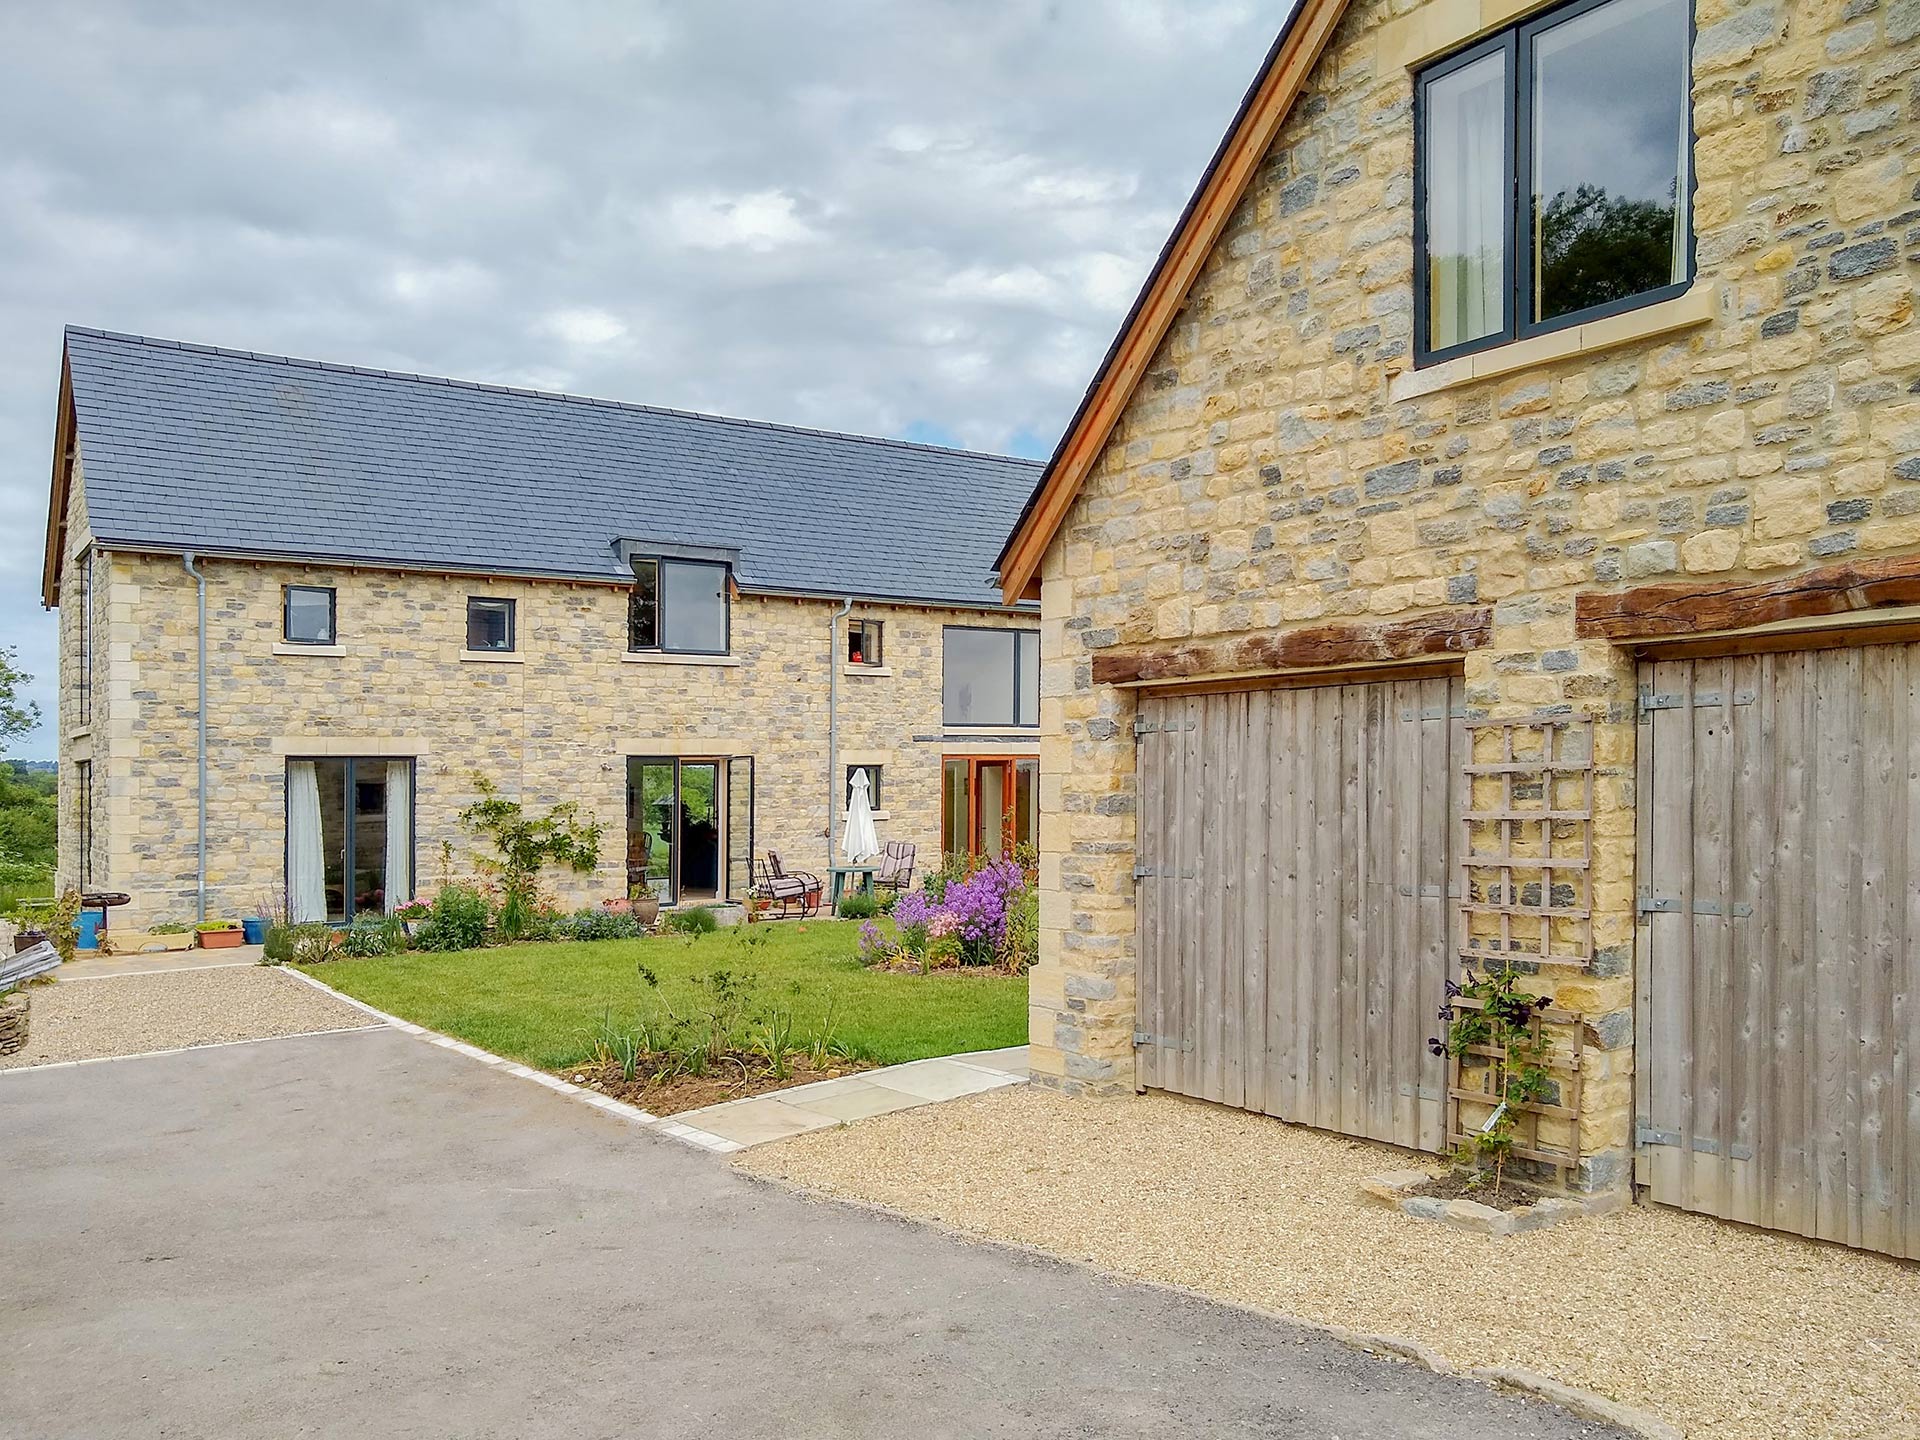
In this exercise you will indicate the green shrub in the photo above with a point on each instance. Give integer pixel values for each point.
(279, 945)
(858, 905)
(315, 944)
(697, 921)
(363, 942)
(595, 923)
(457, 921)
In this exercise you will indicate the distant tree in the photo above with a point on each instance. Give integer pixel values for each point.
(18, 716)
(1595, 247)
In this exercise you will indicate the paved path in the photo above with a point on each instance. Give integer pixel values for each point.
(367, 1235)
(820, 1106)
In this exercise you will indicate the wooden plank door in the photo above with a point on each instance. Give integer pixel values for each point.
(1778, 927)
(1294, 926)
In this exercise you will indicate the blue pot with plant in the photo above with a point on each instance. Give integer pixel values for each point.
(255, 928)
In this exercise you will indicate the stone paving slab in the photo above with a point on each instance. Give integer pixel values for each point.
(786, 1113)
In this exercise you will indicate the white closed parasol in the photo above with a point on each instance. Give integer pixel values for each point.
(861, 844)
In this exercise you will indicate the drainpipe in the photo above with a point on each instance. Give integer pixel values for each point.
(833, 716)
(200, 792)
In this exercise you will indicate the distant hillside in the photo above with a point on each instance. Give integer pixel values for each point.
(51, 767)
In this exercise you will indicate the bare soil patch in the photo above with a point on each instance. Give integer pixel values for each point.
(735, 1078)
(1457, 1185)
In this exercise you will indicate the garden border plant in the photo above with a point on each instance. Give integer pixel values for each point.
(1498, 1024)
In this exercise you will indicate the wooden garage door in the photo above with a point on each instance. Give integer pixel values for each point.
(1780, 984)
(1293, 912)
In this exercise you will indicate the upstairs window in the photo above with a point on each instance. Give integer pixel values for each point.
(679, 607)
(863, 642)
(1553, 175)
(873, 785)
(307, 615)
(490, 624)
(85, 706)
(991, 677)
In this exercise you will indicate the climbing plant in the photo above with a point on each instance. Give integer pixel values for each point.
(525, 844)
(1499, 1017)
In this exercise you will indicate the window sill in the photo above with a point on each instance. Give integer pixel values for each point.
(647, 657)
(880, 815)
(1683, 312)
(871, 672)
(282, 647)
(492, 657)
(1020, 730)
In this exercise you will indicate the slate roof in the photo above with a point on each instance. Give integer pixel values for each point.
(191, 447)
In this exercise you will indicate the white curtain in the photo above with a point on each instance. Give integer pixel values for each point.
(399, 879)
(1466, 195)
(306, 853)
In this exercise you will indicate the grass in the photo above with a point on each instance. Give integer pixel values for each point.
(12, 892)
(541, 1004)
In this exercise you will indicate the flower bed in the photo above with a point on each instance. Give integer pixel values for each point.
(972, 915)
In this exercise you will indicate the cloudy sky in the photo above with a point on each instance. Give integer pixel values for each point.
(920, 218)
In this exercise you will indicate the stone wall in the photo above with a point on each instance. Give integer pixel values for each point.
(554, 724)
(1278, 466)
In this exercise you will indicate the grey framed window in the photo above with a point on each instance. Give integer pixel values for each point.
(84, 708)
(680, 607)
(1553, 175)
(873, 785)
(351, 836)
(308, 615)
(490, 624)
(83, 816)
(990, 677)
(863, 642)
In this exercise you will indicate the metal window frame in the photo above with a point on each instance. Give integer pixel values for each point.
(333, 613)
(513, 625)
(874, 630)
(874, 774)
(660, 611)
(84, 702)
(412, 762)
(1516, 44)
(83, 805)
(1020, 637)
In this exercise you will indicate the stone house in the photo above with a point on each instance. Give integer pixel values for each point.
(304, 606)
(1493, 539)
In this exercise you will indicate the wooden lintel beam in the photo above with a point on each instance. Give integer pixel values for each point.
(1654, 611)
(1442, 632)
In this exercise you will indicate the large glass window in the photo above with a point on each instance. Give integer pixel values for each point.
(85, 707)
(1554, 174)
(349, 837)
(991, 677)
(678, 606)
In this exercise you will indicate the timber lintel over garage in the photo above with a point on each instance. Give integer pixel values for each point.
(1440, 634)
(1656, 612)
(1262, 112)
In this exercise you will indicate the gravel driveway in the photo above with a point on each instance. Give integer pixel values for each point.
(1727, 1332)
(363, 1234)
(134, 1014)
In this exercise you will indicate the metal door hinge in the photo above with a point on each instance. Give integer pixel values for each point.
(1159, 1042)
(1149, 872)
(1651, 700)
(1143, 726)
(1670, 905)
(1645, 1134)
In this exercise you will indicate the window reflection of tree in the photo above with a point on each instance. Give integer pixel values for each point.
(1595, 248)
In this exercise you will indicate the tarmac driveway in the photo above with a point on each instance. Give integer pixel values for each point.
(361, 1234)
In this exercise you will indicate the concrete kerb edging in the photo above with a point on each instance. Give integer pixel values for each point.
(1582, 1404)
(619, 1109)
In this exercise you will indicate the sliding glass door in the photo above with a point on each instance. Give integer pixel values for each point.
(690, 828)
(349, 837)
(989, 805)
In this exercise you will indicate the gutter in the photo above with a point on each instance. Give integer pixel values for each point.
(833, 716)
(200, 789)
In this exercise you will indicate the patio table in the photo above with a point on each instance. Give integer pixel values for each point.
(839, 875)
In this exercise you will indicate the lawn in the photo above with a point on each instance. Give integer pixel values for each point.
(541, 1004)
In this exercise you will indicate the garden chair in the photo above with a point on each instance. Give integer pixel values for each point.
(896, 866)
(786, 891)
(810, 881)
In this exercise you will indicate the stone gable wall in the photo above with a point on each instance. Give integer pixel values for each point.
(1264, 476)
(555, 727)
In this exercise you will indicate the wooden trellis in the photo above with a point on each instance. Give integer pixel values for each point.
(1526, 901)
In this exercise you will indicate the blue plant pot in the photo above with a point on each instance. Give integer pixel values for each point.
(254, 931)
(88, 929)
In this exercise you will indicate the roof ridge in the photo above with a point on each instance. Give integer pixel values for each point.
(561, 396)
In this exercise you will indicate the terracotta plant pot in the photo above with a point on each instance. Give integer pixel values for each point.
(646, 909)
(221, 939)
